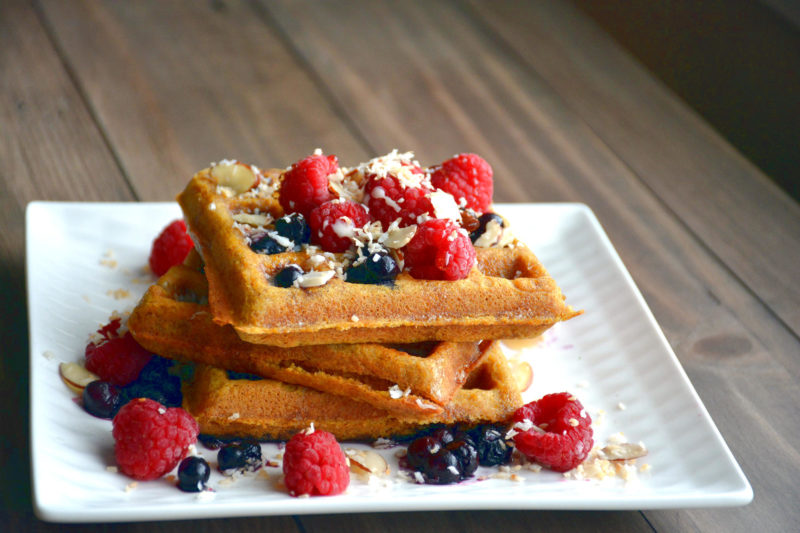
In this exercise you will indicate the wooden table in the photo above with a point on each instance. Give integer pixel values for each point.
(123, 101)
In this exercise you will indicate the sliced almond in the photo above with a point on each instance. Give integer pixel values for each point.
(367, 462)
(252, 219)
(75, 376)
(316, 278)
(235, 175)
(399, 237)
(624, 451)
(523, 374)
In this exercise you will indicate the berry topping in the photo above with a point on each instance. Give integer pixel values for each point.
(314, 465)
(388, 200)
(420, 450)
(266, 245)
(295, 228)
(467, 456)
(443, 457)
(101, 399)
(554, 431)
(239, 456)
(439, 250)
(150, 439)
(170, 248)
(490, 226)
(442, 468)
(443, 435)
(157, 382)
(305, 185)
(333, 224)
(193, 474)
(466, 176)
(377, 268)
(491, 446)
(287, 276)
(114, 358)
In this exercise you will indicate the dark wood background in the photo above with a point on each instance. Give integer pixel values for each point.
(123, 101)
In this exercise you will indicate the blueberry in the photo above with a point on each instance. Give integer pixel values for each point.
(467, 456)
(210, 442)
(193, 473)
(266, 245)
(379, 268)
(287, 276)
(420, 451)
(157, 382)
(295, 228)
(442, 468)
(443, 435)
(491, 446)
(239, 456)
(483, 220)
(101, 399)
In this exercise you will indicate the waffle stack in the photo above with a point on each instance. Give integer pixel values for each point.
(361, 361)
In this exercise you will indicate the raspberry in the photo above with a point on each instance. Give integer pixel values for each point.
(466, 176)
(332, 224)
(388, 200)
(170, 248)
(305, 185)
(439, 250)
(150, 439)
(314, 464)
(563, 435)
(116, 359)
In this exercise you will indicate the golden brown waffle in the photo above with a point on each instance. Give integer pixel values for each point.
(508, 295)
(271, 410)
(173, 320)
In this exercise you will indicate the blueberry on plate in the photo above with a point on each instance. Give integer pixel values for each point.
(101, 399)
(193, 474)
(244, 455)
(491, 446)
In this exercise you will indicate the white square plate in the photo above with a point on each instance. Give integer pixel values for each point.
(614, 358)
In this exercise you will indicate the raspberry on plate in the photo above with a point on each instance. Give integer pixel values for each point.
(439, 250)
(332, 224)
(150, 439)
(314, 465)
(305, 185)
(114, 358)
(170, 248)
(389, 199)
(555, 431)
(466, 176)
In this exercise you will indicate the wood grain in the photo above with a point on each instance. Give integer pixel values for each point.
(50, 149)
(693, 293)
(753, 226)
(177, 85)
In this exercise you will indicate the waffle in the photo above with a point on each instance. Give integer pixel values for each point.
(271, 410)
(172, 319)
(508, 295)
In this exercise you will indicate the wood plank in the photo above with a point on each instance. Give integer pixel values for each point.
(753, 226)
(176, 85)
(474, 94)
(50, 149)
